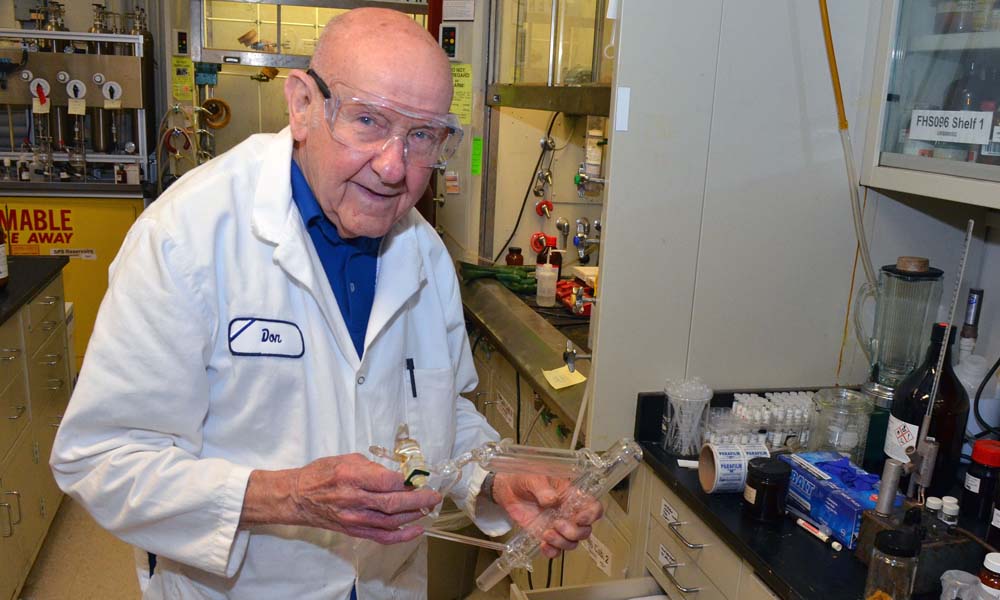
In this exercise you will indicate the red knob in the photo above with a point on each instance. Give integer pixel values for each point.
(544, 208)
(539, 241)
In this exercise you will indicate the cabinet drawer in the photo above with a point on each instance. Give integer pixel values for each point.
(501, 413)
(44, 314)
(11, 350)
(621, 589)
(504, 375)
(481, 395)
(752, 588)
(48, 376)
(684, 579)
(603, 557)
(13, 413)
(721, 564)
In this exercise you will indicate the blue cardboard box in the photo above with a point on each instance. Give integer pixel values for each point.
(833, 491)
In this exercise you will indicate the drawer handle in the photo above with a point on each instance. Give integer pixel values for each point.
(17, 496)
(674, 526)
(490, 403)
(55, 384)
(49, 325)
(20, 412)
(51, 363)
(680, 588)
(13, 354)
(9, 532)
(48, 300)
(57, 422)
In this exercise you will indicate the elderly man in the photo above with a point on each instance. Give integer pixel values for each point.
(278, 311)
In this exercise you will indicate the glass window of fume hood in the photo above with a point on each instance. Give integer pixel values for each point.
(944, 89)
(553, 42)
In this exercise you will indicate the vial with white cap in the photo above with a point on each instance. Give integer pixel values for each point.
(933, 506)
(949, 514)
(949, 500)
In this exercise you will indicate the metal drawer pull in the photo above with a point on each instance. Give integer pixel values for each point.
(490, 403)
(673, 528)
(13, 353)
(51, 363)
(48, 300)
(680, 588)
(20, 412)
(57, 422)
(55, 384)
(16, 495)
(49, 325)
(9, 532)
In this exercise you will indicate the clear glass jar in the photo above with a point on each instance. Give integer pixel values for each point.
(841, 422)
(893, 567)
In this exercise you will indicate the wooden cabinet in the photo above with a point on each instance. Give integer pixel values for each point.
(34, 391)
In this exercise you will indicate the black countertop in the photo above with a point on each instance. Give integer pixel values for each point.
(790, 561)
(28, 275)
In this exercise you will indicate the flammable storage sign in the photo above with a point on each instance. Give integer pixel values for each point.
(87, 230)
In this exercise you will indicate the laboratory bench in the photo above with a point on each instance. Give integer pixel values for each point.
(35, 385)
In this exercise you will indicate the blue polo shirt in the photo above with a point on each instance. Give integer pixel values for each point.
(350, 264)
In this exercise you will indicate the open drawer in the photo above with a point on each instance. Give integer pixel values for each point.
(619, 589)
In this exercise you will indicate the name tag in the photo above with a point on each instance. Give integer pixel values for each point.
(265, 337)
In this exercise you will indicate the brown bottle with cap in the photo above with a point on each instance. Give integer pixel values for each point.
(4, 268)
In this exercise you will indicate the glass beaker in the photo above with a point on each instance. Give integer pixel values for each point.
(906, 303)
(841, 422)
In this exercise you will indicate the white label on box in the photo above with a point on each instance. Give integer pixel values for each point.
(958, 126)
(972, 483)
(898, 437)
(505, 409)
(750, 495)
(667, 512)
(599, 553)
(666, 558)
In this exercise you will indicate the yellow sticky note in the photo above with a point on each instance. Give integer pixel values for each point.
(40, 108)
(562, 377)
(77, 106)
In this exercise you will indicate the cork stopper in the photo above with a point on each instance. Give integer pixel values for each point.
(913, 264)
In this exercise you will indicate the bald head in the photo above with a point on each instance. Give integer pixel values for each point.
(385, 52)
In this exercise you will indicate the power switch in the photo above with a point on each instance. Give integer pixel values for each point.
(449, 37)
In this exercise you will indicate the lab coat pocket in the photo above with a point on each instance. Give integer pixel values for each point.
(431, 410)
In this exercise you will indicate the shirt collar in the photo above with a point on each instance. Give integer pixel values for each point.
(312, 216)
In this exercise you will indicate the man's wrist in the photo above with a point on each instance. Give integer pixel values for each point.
(486, 490)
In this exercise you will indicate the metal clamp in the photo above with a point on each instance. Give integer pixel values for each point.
(17, 495)
(49, 300)
(673, 526)
(9, 532)
(680, 588)
(51, 363)
(20, 412)
(55, 384)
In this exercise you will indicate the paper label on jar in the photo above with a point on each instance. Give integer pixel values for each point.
(957, 126)
(972, 483)
(898, 437)
(750, 495)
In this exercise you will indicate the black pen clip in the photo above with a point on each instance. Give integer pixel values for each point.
(413, 379)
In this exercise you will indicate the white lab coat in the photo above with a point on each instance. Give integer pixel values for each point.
(183, 392)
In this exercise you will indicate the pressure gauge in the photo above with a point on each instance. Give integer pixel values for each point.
(39, 84)
(76, 89)
(112, 90)
(27, 75)
(62, 76)
(99, 78)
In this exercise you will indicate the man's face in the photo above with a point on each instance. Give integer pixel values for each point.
(365, 192)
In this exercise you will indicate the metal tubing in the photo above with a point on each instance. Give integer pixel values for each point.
(891, 474)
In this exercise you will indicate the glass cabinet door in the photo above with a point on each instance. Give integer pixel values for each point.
(941, 107)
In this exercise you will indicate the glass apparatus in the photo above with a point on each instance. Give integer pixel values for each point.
(841, 422)
(893, 567)
(906, 303)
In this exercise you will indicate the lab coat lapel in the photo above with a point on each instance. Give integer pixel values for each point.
(400, 275)
(277, 221)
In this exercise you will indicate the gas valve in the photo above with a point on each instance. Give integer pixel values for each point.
(544, 208)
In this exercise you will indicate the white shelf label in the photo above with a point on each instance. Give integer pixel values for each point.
(667, 512)
(599, 553)
(666, 558)
(957, 126)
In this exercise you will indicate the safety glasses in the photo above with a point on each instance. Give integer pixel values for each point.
(370, 123)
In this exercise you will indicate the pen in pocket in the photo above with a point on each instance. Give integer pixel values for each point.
(413, 379)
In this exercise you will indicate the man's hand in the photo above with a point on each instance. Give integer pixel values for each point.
(349, 494)
(525, 496)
